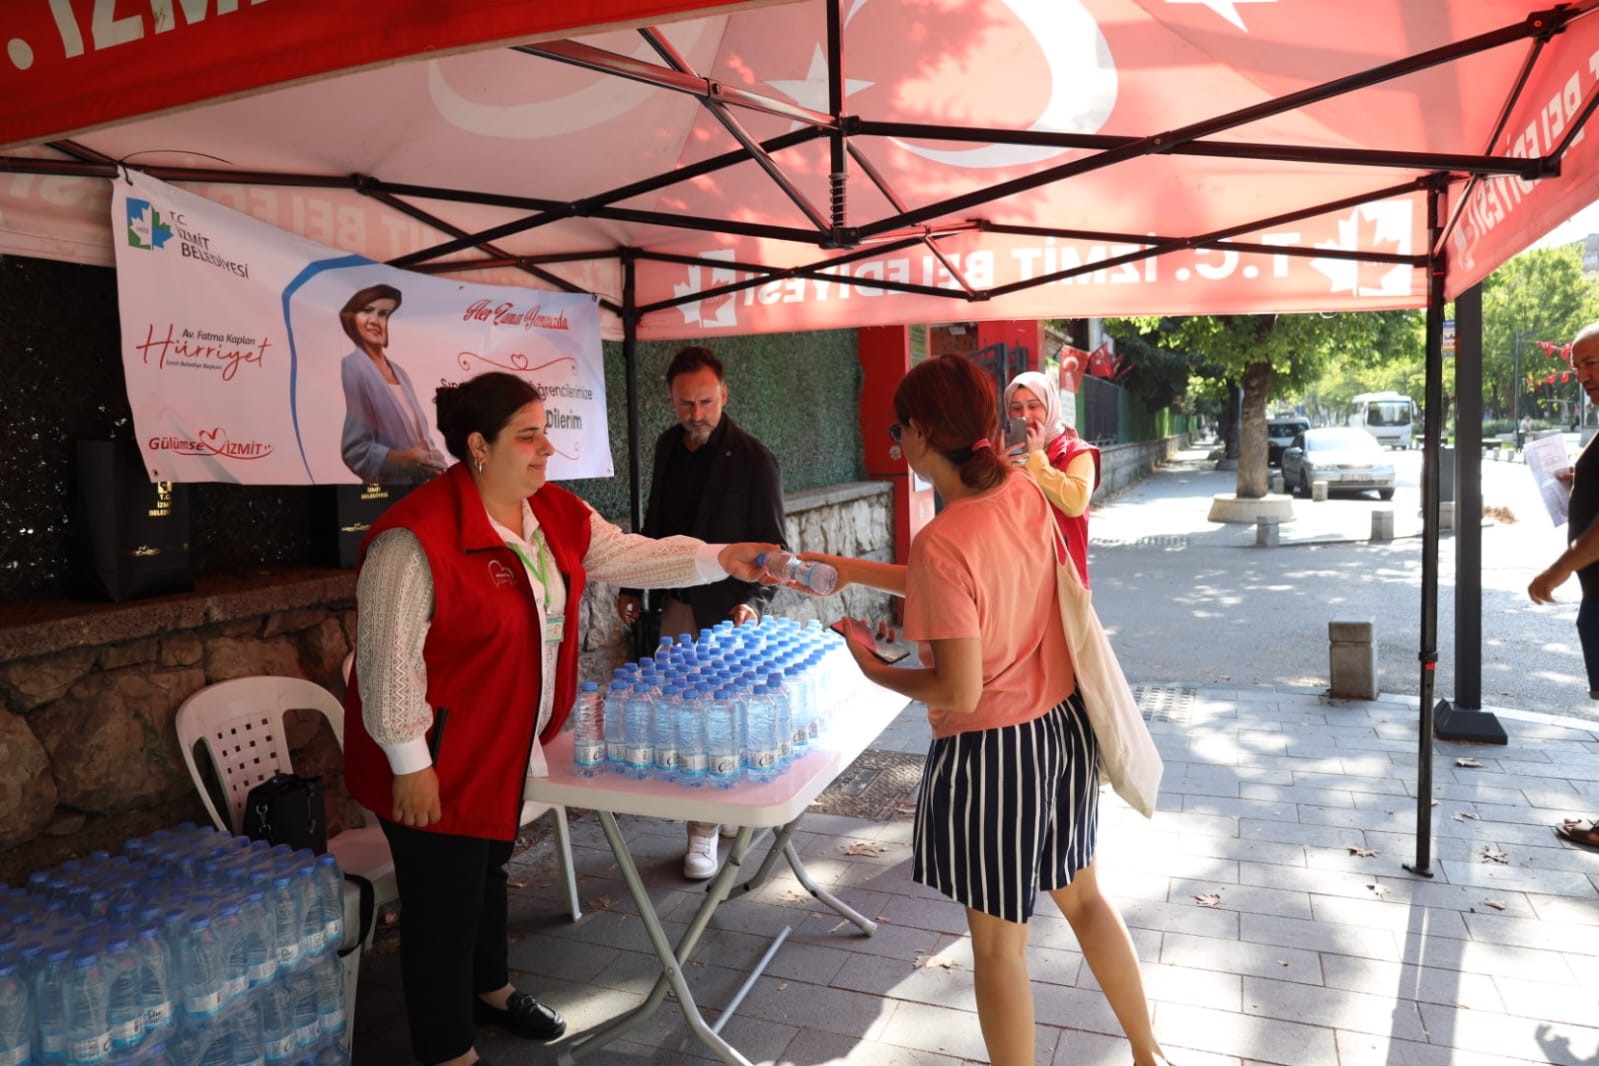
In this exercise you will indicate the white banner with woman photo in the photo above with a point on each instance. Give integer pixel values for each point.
(258, 357)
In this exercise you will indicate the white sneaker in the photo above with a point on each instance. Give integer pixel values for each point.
(700, 862)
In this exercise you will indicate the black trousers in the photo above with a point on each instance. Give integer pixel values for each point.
(452, 942)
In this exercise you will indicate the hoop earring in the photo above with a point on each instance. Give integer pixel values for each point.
(479, 466)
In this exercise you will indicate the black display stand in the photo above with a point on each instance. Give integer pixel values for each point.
(345, 514)
(129, 536)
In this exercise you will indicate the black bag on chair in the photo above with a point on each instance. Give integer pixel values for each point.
(287, 809)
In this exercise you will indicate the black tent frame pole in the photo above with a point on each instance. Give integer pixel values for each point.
(635, 481)
(1433, 445)
(1468, 498)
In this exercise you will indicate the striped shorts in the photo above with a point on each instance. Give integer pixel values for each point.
(1005, 812)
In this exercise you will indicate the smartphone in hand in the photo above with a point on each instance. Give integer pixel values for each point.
(1015, 432)
(858, 633)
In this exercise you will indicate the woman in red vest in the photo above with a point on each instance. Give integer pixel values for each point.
(1065, 466)
(465, 666)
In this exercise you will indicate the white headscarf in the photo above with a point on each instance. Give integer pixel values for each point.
(1044, 390)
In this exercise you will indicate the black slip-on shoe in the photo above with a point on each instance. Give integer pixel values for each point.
(523, 1015)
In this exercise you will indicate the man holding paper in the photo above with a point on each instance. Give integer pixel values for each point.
(1581, 557)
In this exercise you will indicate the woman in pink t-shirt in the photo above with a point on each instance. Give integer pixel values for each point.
(1009, 796)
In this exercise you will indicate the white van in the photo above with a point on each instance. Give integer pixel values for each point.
(1388, 416)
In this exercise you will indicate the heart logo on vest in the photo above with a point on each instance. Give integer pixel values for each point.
(501, 574)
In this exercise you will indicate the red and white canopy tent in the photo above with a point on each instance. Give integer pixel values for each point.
(714, 168)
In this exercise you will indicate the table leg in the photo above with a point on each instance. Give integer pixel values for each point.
(671, 968)
(783, 845)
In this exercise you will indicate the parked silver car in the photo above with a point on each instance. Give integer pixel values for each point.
(1347, 459)
(1280, 433)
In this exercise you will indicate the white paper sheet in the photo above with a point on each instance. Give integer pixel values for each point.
(1545, 457)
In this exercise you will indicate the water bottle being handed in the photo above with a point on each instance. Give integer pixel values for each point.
(820, 578)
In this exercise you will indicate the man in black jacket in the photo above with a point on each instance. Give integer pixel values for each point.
(713, 481)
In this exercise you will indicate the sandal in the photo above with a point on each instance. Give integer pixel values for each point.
(1583, 832)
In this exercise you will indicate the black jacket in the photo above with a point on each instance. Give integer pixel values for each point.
(743, 501)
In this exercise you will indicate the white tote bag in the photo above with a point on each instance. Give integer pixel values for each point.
(1127, 755)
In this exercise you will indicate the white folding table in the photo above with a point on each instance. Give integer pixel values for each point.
(753, 807)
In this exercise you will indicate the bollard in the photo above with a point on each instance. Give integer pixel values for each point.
(1277, 483)
(1382, 523)
(1266, 531)
(1318, 491)
(1446, 514)
(1352, 658)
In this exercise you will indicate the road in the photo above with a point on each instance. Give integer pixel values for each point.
(1188, 600)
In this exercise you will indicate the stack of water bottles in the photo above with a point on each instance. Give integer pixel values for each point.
(740, 703)
(189, 948)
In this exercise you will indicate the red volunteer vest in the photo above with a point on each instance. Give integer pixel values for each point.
(1061, 451)
(482, 654)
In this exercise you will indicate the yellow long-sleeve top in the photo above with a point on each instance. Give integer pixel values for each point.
(1068, 489)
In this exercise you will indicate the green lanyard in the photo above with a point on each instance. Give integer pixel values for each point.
(553, 624)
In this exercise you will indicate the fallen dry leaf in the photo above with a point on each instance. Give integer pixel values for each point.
(1364, 853)
(789, 895)
(598, 903)
(929, 961)
(1461, 816)
(1467, 761)
(1377, 890)
(1282, 962)
(1495, 904)
(1493, 854)
(864, 847)
(1209, 899)
(1434, 803)
(1500, 514)
(517, 884)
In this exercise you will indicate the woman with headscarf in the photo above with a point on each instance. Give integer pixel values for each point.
(385, 433)
(1064, 465)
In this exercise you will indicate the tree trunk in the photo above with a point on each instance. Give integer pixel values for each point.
(1229, 422)
(1252, 481)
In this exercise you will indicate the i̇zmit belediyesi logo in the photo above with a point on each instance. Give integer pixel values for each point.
(146, 228)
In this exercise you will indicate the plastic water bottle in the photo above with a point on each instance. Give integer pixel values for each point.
(229, 930)
(330, 881)
(313, 926)
(588, 731)
(762, 739)
(50, 1005)
(663, 733)
(260, 944)
(693, 754)
(303, 1008)
(87, 999)
(243, 1028)
(277, 1024)
(329, 974)
(154, 962)
(16, 1018)
(818, 577)
(722, 744)
(200, 970)
(782, 720)
(287, 913)
(124, 1008)
(638, 728)
(615, 723)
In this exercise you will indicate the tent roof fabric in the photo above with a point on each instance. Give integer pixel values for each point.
(734, 168)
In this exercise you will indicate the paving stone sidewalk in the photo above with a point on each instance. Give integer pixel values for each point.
(1268, 935)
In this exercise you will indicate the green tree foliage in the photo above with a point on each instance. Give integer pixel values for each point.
(1541, 295)
(1267, 354)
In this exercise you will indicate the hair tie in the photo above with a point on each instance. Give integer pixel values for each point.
(981, 444)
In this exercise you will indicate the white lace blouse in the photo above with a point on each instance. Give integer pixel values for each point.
(395, 591)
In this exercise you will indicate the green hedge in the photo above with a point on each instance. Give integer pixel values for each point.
(798, 392)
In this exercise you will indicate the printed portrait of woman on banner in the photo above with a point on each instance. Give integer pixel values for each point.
(386, 437)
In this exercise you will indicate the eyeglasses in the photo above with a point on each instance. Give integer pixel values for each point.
(895, 431)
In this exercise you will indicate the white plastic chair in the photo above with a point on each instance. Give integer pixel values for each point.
(240, 723)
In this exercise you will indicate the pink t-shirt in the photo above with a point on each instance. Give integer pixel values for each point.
(982, 568)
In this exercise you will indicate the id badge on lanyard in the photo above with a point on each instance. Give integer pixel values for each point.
(553, 624)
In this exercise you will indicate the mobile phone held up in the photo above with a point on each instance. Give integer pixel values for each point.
(860, 634)
(1015, 432)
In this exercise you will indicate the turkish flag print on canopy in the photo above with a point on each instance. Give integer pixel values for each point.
(736, 167)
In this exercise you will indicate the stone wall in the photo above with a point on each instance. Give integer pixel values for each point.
(88, 692)
(1123, 465)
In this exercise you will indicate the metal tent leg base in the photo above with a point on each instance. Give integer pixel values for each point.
(1452, 723)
